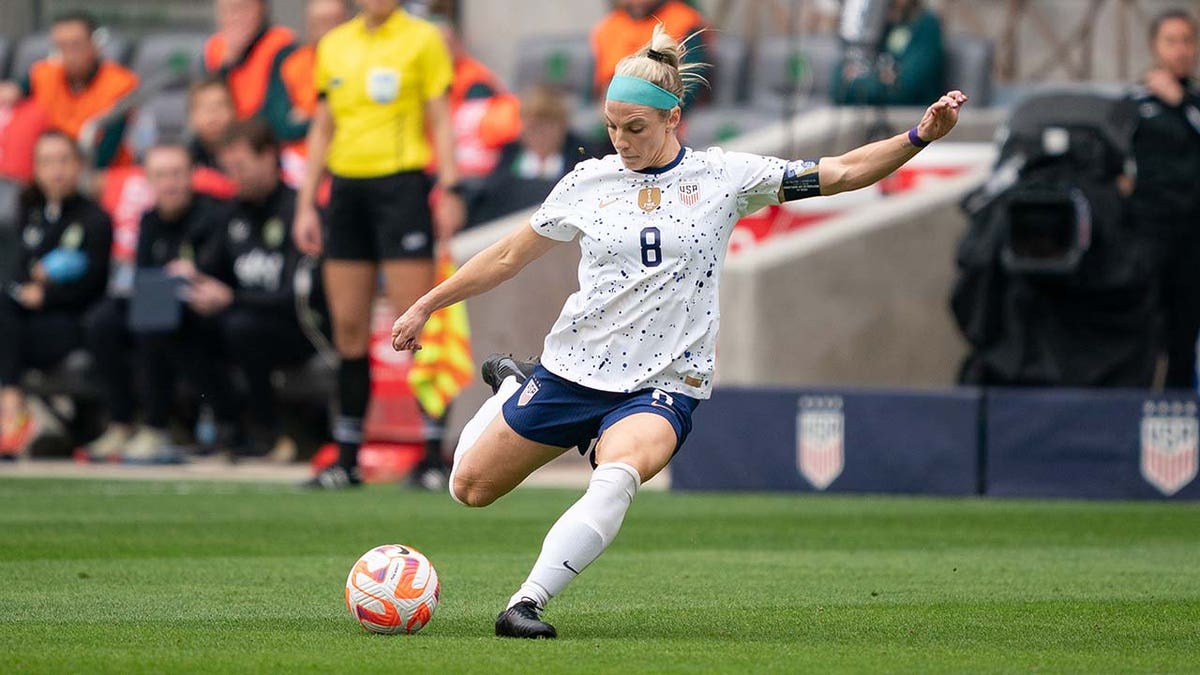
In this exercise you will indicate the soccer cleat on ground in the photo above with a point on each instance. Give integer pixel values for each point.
(336, 477)
(431, 479)
(522, 621)
(498, 367)
(110, 444)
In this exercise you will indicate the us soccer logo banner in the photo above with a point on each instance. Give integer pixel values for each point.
(820, 439)
(1170, 432)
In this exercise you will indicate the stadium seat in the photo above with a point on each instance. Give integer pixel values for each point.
(785, 67)
(5, 53)
(564, 62)
(969, 61)
(729, 56)
(36, 47)
(10, 192)
(161, 119)
(172, 56)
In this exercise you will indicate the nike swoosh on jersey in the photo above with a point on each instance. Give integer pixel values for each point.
(604, 204)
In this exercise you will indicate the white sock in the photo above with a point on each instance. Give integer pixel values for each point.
(475, 428)
(582, 533)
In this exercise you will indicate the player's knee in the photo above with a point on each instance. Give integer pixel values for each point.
(472, 493)
(351, 337)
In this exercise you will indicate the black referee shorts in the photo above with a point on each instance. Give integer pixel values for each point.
(383, 218)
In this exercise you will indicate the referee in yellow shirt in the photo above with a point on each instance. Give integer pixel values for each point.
(382, 79)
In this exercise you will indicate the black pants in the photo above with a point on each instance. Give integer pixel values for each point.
(112, 347)
(34, 339)
(1179, 304)
(258, 343)
(194, 352)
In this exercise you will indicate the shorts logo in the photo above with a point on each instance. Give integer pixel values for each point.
(527, 394)
(689, 193)
(649, 198)
(413, 241)
(1169, 444)
(820, 439)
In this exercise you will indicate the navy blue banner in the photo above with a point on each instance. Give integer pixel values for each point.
(839, 440)
(1096, 444)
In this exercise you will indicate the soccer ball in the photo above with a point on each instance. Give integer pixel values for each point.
(392, 589)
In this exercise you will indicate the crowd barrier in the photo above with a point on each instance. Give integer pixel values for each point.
(965, 441)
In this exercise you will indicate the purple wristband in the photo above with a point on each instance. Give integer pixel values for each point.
(915, 139)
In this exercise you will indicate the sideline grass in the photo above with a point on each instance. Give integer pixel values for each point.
(150, 577)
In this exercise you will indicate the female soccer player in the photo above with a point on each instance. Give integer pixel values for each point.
(632, 351)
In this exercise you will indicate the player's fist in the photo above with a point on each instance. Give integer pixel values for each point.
(406, 331)
(306, 230)
(941, 117)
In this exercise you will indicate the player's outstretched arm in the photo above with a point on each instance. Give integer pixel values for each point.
(871, 163)
(489, 268)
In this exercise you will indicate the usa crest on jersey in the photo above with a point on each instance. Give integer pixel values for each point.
(689, 193)
(1169, 455)
(820, 442)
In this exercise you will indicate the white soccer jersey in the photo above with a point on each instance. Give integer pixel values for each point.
(653, 243)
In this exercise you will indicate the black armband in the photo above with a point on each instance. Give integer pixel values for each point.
(801, 180)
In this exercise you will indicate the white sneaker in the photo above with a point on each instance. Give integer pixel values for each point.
(147, 445)
(111, 442)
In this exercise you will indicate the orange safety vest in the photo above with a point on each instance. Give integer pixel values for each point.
(620, 35)
(69, 110)
(481, 126)
(249, 79)
(297, 72)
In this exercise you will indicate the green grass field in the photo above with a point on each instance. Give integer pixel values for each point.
(165, 577)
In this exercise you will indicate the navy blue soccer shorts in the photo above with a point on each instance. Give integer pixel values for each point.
(553, 411)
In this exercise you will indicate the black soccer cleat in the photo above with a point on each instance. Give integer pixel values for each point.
(499, 367)
(521, 621)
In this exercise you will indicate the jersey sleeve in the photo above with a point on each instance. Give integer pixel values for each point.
(756, 179)
(437, 67)
(556, 218)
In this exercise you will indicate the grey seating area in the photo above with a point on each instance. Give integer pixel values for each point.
(5, 54)
(969, 63)
(169, 59)
(10, 192)
(563, 61)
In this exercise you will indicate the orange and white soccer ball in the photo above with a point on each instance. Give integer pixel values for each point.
(392, 589)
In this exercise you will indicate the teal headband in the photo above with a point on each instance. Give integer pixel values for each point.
(643, 92)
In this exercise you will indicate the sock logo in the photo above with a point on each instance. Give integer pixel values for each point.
(567, 564)
(527, 394)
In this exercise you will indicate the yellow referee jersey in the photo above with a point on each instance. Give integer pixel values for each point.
(376, 84)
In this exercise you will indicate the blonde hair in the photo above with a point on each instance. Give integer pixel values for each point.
(660, 62)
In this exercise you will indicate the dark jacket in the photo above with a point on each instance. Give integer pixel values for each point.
(252, 252)
(1166, 147)
(918, 57)
(160, 241)
(505, 191)
(82, 225)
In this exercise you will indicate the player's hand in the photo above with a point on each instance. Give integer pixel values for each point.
(449, 216)
(181, 268)
(941, 117)
(407, 329)
(1165, 87)
(207, 296)
(306, 230)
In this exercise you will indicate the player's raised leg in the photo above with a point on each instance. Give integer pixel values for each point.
(632, 450)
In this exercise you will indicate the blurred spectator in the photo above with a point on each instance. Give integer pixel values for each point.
(528, 168)
(211, 112)
(62, 269)
(1166, 202)
(243, 51)
(909, 69)
(244, 279)
(178, 225)
(630, 25)
(77, 89)
(292, 93)
(486, 117)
